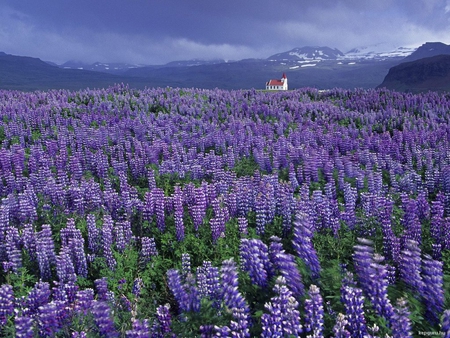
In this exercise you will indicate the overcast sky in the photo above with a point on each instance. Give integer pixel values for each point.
(159, 31)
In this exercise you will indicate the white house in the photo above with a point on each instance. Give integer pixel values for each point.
(281, 84)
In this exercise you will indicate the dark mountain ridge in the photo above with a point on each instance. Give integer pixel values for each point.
(427, 74)
(27, 73)
(428, 49)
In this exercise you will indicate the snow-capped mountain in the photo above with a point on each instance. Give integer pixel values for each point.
(313, 55)
(116, 68)
(193, 62)
(380, 51)
(308, 53)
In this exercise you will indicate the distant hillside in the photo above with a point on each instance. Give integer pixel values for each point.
(432, 73)
(27, 74)
(308, 53)
(427, 50)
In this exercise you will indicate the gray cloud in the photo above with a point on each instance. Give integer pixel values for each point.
(158, 31)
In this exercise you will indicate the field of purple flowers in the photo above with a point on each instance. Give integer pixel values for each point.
(209, 213)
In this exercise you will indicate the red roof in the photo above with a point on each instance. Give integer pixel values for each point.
(275, 83)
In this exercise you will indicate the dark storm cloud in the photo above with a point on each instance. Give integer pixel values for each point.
(151, 32)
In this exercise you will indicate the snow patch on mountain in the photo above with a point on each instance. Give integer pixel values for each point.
(381, 51)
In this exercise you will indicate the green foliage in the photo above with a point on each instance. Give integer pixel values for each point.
(2, 134)
(246, 166)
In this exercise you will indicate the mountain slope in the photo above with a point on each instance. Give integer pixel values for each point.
(428, 49)
(422, 75)
(308, 53)
(381, 51)
(27, 73)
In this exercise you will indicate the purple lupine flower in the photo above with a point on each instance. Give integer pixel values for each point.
(217, 227)
(285, 264)
(230, 293)
(208, 280)
(24, 327)
(94, 239)
(107, 241)
(178, 290)
(80, 334)
(101, 285)
(400, 322)
(223, 331)
(48, 319)
(239, 325)
(286, 205)
(149, 206)
(158, 199)
(283, 319)
(445, 323)
(102, 317)
(243, 225)
(391, 243)
(38, 296)
(164, 319)
(178, 215)
(206, 331)
(314, 312)
(119, 238)
(193, 293)
(151, 179)
(185, 265)
(255, 261)
(6, 303)
(140, 329)
(410, 266)
(437, 218)
(148, 249)
(13, 251)
(29, 240)
(423, 208)
(303, 245)
(45, 251)
(373, 277)
(261, 213)
(411, 222)
(433, 288)
(339, 328)
(84, 301)
(220, 218)
(79, 256)
(353, 301)
(137, 285)
(64, 267)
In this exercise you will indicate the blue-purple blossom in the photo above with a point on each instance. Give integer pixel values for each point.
(373, 277)
(103, 319)
(140, 329)
(164, 319)
(6, 303)
(433, 288)
(24, 327)
(400, 322)
(303, 245)
(353, 301)
(286, 265)
(283, 317)
(177, 287)
(445, 323)
(410, 266)
(178, 215)
(255, 261)
(314, 312)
